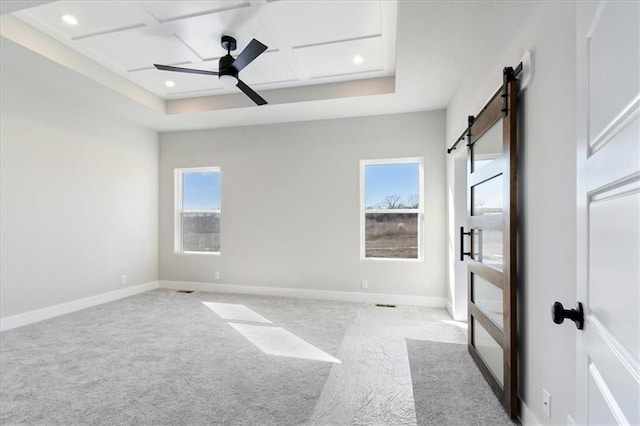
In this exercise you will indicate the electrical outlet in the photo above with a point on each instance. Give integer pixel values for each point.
(365, 284)
(123, 279)
(546, 402)
(216, 275)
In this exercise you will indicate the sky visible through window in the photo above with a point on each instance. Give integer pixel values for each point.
(201, 191)
(384, 180)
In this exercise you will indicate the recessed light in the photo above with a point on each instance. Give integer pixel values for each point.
(170, 83)
(357, 59)
(69, 19)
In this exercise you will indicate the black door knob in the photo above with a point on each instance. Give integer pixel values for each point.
(559, 313)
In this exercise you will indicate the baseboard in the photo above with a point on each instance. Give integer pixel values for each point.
(527, 418)
(449, 308)
(31, 317)
(298, 293)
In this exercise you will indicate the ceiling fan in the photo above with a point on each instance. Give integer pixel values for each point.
(228, 67)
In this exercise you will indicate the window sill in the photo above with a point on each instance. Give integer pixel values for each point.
(390, 259)
(197, 253)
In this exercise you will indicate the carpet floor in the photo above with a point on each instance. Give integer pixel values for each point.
(164, 357)
(448, 387)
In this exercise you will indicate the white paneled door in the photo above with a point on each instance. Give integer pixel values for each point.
(608, 130)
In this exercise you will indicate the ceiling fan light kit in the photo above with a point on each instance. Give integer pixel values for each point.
(230, 67)
(228, 81)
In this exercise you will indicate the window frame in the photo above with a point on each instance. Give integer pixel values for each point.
(179, 211)
(419, 210)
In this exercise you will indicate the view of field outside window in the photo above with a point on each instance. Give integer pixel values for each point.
(392, 210)
(200, 211)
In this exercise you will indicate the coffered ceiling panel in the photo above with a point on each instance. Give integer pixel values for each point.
(93, 17)
(341, 57)
(317, 22)
(164, 11)
(309, 42)
(269, 68)
(202, 33)
(138, 48)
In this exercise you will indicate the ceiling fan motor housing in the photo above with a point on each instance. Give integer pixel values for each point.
(225, 66)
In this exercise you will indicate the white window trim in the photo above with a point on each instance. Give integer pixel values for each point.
(419, 210)
(178, 212)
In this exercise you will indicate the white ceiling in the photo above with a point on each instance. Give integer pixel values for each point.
(129, 37)
(415, 54)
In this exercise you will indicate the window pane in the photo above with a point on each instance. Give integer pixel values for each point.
(392, 186)
(201, 191)
(488, 297)
(201, 232)
(488, 147)
(487, 197)
(489, 350)
(487, 247)
(393, 235)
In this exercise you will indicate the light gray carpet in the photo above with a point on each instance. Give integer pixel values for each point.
(373, 383)
(165, 358)
(449, 389)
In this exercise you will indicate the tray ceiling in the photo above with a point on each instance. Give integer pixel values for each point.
(309, 42)
(416, 55)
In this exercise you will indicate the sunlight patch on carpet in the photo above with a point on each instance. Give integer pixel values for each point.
(460, 324)
(280, 342)
(233, 311)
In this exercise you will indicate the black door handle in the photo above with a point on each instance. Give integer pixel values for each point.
(462, 252)
(559, 313)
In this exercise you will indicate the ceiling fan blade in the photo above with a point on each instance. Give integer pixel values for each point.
(187, 70)
(252, 51)
(250, 93)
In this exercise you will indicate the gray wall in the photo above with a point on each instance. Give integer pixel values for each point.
(79, 197)
(290, 203)
(548, 195)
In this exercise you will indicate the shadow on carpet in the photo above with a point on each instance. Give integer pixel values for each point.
(448, 388)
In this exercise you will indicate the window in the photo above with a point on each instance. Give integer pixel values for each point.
(391, 209)
(197, 216)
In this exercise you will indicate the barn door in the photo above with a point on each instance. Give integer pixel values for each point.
(491, 266)
(608, 212)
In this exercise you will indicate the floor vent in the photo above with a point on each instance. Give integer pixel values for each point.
(184, 291)
(382, 305)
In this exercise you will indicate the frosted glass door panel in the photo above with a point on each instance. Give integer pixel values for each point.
(488, 197)
(487, 247)
(489, 350)
(488, 147)
(488, 297)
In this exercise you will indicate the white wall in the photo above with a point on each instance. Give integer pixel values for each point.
(548, 198)
(290, 203)
(457, 269)
(79, 193)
